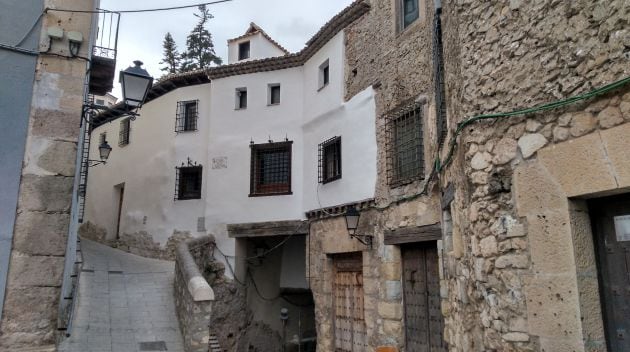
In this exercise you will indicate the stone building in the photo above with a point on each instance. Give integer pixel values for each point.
(44, 55)
(505, 232)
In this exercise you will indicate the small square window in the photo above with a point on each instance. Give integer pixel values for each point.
(186, 118)
(409, 12)
(125, 131)
(270, 172)
(274, 94)
(243, 51)
(100, 102)
(241, 98)
(405, 149)
(330, 160)
(324, 74)
(188, 182)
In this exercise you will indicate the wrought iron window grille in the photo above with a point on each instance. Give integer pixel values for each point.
(188, 180)
(187, 116)
(125, 131)
(404, 144)
(270, 172)
(329, 156)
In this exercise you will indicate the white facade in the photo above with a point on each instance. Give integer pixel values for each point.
(260, 47)
(307, 115)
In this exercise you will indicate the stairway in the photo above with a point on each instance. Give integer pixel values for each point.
(213, 344)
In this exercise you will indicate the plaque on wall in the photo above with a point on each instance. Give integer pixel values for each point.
(622, 228)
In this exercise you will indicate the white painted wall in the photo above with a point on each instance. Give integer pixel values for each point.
(305, 116)
(259, 46)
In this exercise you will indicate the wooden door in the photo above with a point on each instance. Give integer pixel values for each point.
(612, 237)
(349, 322)
(121, 196)
(424, 324)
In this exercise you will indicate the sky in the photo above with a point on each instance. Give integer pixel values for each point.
(290, 22)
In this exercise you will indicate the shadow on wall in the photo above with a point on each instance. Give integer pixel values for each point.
(140, 243)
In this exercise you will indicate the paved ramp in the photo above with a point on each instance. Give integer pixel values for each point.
(125, 304)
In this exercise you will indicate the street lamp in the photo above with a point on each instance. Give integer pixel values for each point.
(352, 223)
(135, 82)
(103, 151)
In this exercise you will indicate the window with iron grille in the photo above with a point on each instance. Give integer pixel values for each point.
(188, 181)
(329, 168)
(270, 169)
(187, 114)
(125, 130)
(405, 150)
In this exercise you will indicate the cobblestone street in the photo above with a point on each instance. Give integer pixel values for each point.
(125, 304)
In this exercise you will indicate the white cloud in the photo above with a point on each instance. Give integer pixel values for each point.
(291, 23)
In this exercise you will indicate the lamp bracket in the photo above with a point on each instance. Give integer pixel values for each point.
(90, 109)
(92, 163)
(364, 239)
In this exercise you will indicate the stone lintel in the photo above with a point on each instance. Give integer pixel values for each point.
(267, 229)
(414, 234)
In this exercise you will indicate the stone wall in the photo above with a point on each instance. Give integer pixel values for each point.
(31, 307)
(519, 262)
(193, 295)
(139, 243)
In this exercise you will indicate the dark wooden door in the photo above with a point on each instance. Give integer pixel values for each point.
(349, 322)
(424, 324)
(612, 235)
(121, 196)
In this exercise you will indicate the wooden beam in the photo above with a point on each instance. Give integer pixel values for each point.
(414, 234)
(267, 229)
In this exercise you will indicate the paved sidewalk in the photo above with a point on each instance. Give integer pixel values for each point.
(125, 304)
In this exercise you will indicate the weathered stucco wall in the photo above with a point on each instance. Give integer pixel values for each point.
(36, 266)
(519, 263)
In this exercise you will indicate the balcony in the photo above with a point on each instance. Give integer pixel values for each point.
(103, 68)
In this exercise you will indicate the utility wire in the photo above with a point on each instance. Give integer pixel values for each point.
(140, 10)
(554, 105)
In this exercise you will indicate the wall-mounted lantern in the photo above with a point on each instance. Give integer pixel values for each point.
(352, 223)
(103, 151)
(135, 82)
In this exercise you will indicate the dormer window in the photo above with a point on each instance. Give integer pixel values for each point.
(243, 51)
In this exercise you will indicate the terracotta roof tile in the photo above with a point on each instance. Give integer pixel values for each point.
(348, 15)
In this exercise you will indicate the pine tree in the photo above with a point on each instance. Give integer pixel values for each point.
(199, 47)
(172, 58)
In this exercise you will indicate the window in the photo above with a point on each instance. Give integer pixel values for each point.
(102, 138)
(125, 129)
(330, 160)
(188, 182)
(409, 12)
(324, 74)
(186, 118)
(241, 98)
(405, 151)
(100, 102)
(243, 51)
(270, 169)
(274, 94)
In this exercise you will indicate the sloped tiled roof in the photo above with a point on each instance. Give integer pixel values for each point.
(171, 82)
(255, 29)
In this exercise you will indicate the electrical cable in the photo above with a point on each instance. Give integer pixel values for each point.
(141, 10)
(19, 50)
(30, 29)
(549, 106)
